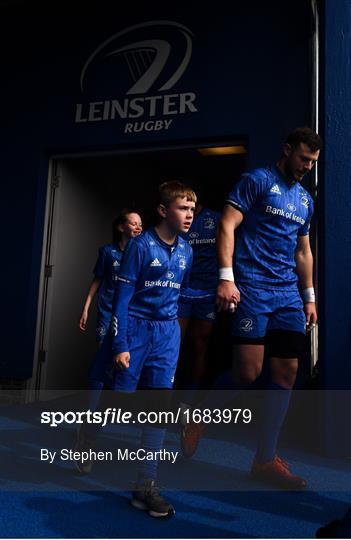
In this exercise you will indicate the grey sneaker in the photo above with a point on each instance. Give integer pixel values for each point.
(146, 496)
(84, 444)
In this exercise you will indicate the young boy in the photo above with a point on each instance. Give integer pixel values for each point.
(145, 334)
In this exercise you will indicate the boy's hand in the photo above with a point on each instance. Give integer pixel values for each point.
(121, 360)
(83, 320)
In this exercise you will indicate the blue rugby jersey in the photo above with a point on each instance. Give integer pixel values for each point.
(107, 268)
(149, 283)
(202, 238)
(275, 212)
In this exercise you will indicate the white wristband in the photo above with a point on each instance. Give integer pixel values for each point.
(226, 273)
(308, 295)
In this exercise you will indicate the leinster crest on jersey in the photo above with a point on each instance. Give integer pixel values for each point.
(304, 201)
(209, 223)
(246, 325)
(182, 263)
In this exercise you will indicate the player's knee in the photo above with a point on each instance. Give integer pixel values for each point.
(245, 375)
(285, 373)
(246, 379)
(247, 360)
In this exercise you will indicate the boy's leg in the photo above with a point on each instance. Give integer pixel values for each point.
(157, 376)
(88, 433)
(146, 494)
(113, 379)
(95, 388)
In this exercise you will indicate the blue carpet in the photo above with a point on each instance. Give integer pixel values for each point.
(39, 500)
(199, 515)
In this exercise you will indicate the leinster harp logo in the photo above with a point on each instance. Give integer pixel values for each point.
(128, 78)
(146, 59)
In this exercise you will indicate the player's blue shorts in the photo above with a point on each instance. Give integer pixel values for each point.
(203, 311)
(154, 350)
(262, 310)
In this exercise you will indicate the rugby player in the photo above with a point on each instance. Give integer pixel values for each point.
(272, 292)
(197, 319)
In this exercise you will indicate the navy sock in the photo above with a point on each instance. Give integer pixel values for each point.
(224, 381)
(275, 406)
(152, 440)
(190, 392)
(95, 388)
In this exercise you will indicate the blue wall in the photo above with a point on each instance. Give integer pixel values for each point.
(335, 223)
(250, 71)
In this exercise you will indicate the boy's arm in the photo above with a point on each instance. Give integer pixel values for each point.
(127, 278)
(95, 284)
(123, 295)
(99, 272)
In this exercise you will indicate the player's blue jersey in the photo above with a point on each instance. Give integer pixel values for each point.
(149, 282)
(202, 238)
(107, 268)
(275, 212)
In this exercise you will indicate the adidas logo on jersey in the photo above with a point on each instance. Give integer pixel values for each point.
(116, 263)
(275, 189)
(155, 262)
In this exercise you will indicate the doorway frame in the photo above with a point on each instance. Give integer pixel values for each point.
(34, 390)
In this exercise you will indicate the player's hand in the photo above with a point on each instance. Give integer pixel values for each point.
(228, 295)
(121, 360)
(311, 315)
(83, 320)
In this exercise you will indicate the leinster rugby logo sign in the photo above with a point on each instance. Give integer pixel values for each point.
(128, 78)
